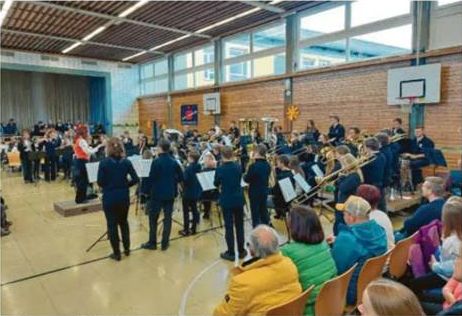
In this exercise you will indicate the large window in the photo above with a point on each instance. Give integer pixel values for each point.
(260, 52)
(194, 68)
(154, 77)
(348, 31)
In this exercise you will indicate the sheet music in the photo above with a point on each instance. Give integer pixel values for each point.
(287, 189)
(142, 167)
(302, 183)
(206, 180)
(317, 171)
(316, 158)
(92, 171)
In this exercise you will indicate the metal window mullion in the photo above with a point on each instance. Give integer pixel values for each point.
(347, 29)
(247, 57)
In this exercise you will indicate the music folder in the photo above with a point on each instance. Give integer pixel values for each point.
(287, 189)
(206, 180)
(302, 183)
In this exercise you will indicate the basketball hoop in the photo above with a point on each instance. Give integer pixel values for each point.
(406, 104)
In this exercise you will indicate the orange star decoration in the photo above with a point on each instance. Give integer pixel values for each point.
(293, 112)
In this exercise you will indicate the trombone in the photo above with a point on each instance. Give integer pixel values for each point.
(331, 179)
(397, 137)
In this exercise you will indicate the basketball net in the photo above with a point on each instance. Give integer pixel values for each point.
(406, 104)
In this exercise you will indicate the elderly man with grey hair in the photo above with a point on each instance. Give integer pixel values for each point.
(266, 280)
(433, 190)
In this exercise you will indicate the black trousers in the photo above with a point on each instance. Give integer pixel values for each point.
(190, 206)
(156, 207)
(26, 165)
(117, 217)
(81, 180)
(427, 282)
(234, 219)
(259, 209)
(50, 167)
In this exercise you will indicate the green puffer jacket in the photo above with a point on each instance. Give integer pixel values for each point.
(315, 267)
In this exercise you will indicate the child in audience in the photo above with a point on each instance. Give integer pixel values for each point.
(443, 267)
(384, 297)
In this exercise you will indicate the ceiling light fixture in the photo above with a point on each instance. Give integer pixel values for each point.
(225, 21)
(5, 8)
(135, 55)
(67, 50)
(170, 42)
(94, 33)
(133, 8)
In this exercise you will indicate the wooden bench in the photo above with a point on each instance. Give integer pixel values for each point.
(70, 208)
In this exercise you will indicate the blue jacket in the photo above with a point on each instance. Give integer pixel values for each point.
(112, 178)
(228, 178)
(389, 156)
(257, 177)
(423, 216)
(164, 177)
(191, 188)
(357, 243)
(51, 145)
(374, 172)
(337, 132)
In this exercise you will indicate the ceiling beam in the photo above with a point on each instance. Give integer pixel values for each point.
(264, 6)
(67, 39)
(116, 19)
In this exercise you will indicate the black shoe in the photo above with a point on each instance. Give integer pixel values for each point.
(127, 252)
(116, 257)
(227, 256)
(149, 246)
(242, 254)
(193, 231)
(164, 247)
(184, 232)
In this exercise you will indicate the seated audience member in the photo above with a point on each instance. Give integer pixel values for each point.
(419, 148)
(443, 267)
(360, 239)
(263, 282)
(309, 252)
(384, 297)
(432, 190)
(372, 195)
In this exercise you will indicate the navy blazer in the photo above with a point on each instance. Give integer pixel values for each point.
(389, 157)
(191, 187)
(420, 146)
(112, 178)
(258, 177)
(425, 214)
(164, 177)
(337, 132)
(374, 172)
(228, 178)
(347, 185)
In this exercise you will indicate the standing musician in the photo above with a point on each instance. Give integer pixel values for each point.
(212, 195)
(51, 143)
(228, 178)
(258, 179)
(391, 160)
(66, 146)
(336, 131)
(191, 194)
(25, 148)
(82, 152)
(376, 171)
(397, 127)
(347, 183)
(419, 149)
(295, 144)
(113, 174)
(282, 171)
(311, 134)
(353, 140)
(164, 177)
(234, 130)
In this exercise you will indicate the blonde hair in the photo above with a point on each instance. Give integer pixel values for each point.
(452, 217)
(349, 162)
(391, 298)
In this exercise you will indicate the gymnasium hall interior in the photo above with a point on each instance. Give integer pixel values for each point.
(269, 157)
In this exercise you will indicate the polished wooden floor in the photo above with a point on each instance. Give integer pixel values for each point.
(45, 269)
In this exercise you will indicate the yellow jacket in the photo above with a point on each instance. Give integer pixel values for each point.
(258, 285)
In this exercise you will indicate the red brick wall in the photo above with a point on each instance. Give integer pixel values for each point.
(357, 95)
(152, 109)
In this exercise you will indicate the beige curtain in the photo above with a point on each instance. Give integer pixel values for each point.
(32, 96)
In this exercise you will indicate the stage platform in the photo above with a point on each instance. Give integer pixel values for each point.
(400, 204)
(70, 208)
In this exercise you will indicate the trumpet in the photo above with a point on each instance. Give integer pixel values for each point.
(331, 179)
